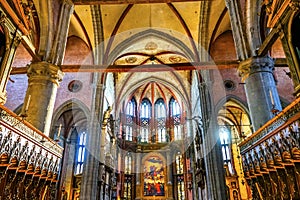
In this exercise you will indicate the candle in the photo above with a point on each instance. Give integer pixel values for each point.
(59, 130)
(28, 102)
(271, 96)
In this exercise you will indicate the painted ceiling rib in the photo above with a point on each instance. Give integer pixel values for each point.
(203, 30)
(114, 32)
(187, 30)
(131, 54)
(213, 35)
(98, 33)
(83, 29)
(144, 91)
(121, 91)
(162, 93)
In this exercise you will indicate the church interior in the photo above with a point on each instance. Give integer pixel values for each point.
(149, 99)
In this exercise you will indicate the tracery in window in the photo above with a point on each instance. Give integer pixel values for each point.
(160, 115)
(128, 164)
(179, 176)
(128, 187)
(80, 152)
(145, 118)
(176, 117)
(179, 164)
(129, 124)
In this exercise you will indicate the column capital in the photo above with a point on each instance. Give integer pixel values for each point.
(254, 65)
(45, 71)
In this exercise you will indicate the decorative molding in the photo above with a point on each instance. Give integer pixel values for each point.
(254, 65)
(46, 71)
(29, 160)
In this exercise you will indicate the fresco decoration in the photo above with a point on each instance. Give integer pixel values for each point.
(154, 177)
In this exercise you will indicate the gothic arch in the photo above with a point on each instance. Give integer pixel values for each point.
(130, 89)
(296, 59)
(73, 104)
(150, 33)
(234, 113)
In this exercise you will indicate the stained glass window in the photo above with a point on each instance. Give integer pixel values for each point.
(130, 114)
(128, 164)
(80, 152)
(145, 118)
(128, 187)
(160, 116)
(224, 134)
(176, 116)
(179, 176)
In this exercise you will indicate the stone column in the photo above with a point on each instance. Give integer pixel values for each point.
(90, 176)
(12, 40)
(261, 91)
(214, 174)
(238, 32)
(43, 80)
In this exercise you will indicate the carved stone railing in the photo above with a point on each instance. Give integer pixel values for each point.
(29, 160)
(271, 156)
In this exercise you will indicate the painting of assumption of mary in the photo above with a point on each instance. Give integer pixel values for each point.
(154, 174)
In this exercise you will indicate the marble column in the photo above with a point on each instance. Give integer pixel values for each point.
(43, 81)
(261, 91)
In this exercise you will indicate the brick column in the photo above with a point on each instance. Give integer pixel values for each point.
(261, 91)
(43, 80)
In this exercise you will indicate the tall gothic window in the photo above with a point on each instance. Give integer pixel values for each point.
(80, 152)
(176, 117)
(224, 134)
(179, 176)
(128, 164)
(130, 114)
(160, 116)
(128, 177)
(145, 117)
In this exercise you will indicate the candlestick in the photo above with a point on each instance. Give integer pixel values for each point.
(271, 96)
(59, 130)
(28, 102)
